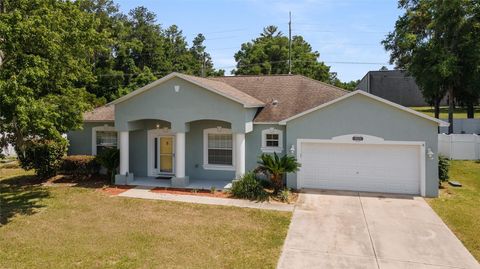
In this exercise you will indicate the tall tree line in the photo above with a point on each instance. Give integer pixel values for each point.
(438, 42)
(61, 58)
(268, 54)
(139, 50)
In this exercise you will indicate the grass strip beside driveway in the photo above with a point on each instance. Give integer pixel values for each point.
(460, 207)
(64, 227)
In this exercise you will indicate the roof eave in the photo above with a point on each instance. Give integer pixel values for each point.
(178, 75)
(406, 109)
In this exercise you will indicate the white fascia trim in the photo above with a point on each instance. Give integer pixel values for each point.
(406, 109)
(178, 75)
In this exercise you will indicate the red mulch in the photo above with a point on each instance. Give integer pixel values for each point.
(208, 193)
(116, 190)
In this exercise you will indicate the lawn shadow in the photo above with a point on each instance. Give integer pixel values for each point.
(85, 181)
(20, 195)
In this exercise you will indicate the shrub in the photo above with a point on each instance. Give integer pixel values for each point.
(443, 167)
(284, 195)
(44, 156)
(110, 159)
(80, 165)
(248, 187)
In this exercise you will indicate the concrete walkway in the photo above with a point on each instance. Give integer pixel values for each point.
(144, 192)
(357, 230)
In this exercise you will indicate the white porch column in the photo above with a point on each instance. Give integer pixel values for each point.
(180, 155)
(124, 153)
(239, 154)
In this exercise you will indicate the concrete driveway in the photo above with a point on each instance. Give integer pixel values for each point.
(358, 230)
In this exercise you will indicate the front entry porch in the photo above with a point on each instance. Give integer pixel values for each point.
(201, 155)
(194, 184)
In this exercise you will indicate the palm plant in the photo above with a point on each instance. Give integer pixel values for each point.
(110, 159)
(276, 167)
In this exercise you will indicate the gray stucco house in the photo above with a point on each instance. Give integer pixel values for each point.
(193, 129)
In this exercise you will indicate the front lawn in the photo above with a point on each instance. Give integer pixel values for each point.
(458, 113)
(460, 207)
(63, 227)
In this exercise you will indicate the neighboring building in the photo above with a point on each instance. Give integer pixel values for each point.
(190, 128)
(8, 150)
(395, 86)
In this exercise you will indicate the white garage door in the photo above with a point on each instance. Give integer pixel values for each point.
(360, 167)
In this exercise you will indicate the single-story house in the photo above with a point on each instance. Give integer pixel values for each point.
(191, 128)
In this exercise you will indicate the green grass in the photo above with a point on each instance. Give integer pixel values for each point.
(459, 113)
(65, 227)
(460, 207)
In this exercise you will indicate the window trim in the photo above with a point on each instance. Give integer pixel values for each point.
(103, 128)
(208, 166)
(268, 149)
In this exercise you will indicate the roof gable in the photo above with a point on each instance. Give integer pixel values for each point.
(214, 86)
(395, 105)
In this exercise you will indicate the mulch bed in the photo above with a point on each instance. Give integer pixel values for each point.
(117, 189)
(218, 194)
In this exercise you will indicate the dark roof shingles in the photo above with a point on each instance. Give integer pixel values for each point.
(294, 93)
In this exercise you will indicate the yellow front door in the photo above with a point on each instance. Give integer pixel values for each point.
(166, 154)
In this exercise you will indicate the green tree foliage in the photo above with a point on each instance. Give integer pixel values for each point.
(268, 54)
(44, 156)
(47, 48)
(140, 50)
(437, 41)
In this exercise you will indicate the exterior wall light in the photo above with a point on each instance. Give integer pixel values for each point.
(292, 149)
(219, 128)
(177, 88)
(430, 153)
(158, 126)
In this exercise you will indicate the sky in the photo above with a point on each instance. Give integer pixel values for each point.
(346, 33)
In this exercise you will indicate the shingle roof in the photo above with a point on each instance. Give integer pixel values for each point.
(103, 113)
(228, 90)
(293, 93)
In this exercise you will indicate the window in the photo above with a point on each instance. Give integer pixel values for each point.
(106, 139)
(272, 140)
(103, 137)
(218, 149)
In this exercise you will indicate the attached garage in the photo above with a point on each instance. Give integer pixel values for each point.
(360, 142)
(362, 163)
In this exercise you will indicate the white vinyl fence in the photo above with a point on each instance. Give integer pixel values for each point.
(459, 146)
(463, 126)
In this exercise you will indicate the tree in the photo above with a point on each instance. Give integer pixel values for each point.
(139, 50)
(202, 62)
(48, 49)
(431, 40)
(268, 54)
